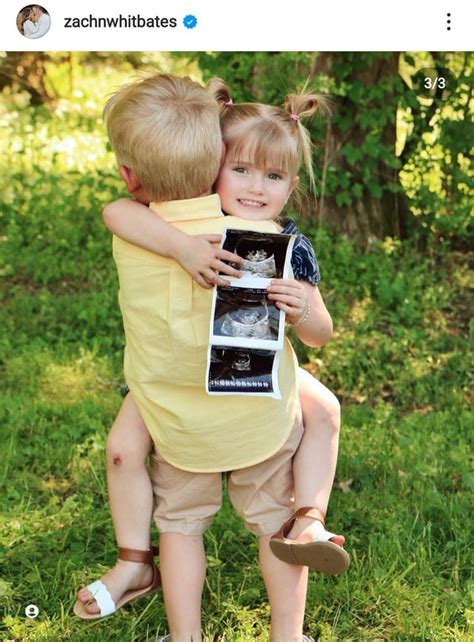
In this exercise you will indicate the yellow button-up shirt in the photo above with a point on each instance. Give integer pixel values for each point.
(166, 318)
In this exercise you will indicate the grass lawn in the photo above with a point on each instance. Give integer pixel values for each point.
(398, 362)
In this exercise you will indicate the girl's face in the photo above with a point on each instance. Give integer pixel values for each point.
(251, 192)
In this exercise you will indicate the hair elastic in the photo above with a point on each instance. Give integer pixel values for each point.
(294, 117)
(229, 102)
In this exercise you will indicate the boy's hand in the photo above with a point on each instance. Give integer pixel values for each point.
(290, 296)
(202, 259)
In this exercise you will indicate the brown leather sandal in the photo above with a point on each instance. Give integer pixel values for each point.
(100, 593)
(321, 554)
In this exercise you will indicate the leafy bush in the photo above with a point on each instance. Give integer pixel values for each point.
(398, 361)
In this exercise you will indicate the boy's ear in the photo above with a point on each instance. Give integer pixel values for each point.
(129, 178)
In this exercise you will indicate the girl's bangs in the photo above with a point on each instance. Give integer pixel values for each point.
(265, 146)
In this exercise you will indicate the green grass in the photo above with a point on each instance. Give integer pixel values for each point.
(401, 494)
(399, 361)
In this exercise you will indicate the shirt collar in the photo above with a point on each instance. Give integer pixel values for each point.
(189, 209)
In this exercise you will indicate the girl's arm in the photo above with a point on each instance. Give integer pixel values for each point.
(305, 310)
(199, 255)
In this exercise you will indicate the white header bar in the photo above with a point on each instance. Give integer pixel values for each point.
(246, 25)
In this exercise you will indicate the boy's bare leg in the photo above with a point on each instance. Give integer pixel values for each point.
(183, 570)
(131, 500)
(314, 464)
(286, 587)
(130, 490)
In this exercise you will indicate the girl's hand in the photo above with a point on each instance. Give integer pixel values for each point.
(290, 296)
(202, 259)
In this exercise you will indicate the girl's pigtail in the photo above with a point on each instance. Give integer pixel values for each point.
(219, 90)
(299, 107)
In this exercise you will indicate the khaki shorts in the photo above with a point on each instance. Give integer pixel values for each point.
(261, 494)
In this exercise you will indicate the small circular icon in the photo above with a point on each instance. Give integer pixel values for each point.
(32, 611)
(33, 21)
(434, 83)
(190, 21)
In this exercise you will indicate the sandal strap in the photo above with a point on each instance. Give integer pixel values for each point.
(310, 511)
(307, 511)
(100, 593)
(134, 555)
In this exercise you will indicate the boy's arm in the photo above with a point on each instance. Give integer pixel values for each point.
(199, 255)
(305, 310)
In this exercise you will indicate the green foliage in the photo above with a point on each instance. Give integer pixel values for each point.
(374, 105)
(396, 332)
(398, 361)
(437, 174)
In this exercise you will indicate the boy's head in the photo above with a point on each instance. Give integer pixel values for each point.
(165, 131)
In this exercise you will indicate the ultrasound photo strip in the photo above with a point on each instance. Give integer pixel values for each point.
(264, 255)
(246, 317)
(247, 330)
(242, 371)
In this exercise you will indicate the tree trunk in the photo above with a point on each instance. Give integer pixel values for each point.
(368, 217)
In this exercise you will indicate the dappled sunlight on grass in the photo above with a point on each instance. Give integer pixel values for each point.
(62, 381)
(67, 383)
(87, 463)
(54, 485)
(422, 365)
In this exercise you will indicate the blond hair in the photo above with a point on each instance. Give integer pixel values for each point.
(166, 129)
(272, 136)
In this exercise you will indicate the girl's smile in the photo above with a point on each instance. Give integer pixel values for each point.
(247, 203)
(253, 192)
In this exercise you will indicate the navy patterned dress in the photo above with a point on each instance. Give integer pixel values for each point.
(303, 260)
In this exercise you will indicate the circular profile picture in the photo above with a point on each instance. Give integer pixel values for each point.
(33, 21)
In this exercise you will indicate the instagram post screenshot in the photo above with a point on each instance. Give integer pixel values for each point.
(235, 309)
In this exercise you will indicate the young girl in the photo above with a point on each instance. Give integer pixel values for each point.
(264, 149)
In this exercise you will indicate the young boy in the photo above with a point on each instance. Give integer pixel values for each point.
(166, 135)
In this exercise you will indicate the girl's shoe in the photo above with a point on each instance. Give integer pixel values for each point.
(321, 554)
(307, 639)
(100, 593)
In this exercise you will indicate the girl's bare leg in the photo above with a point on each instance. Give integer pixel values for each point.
(131, 500)
(314, 465)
